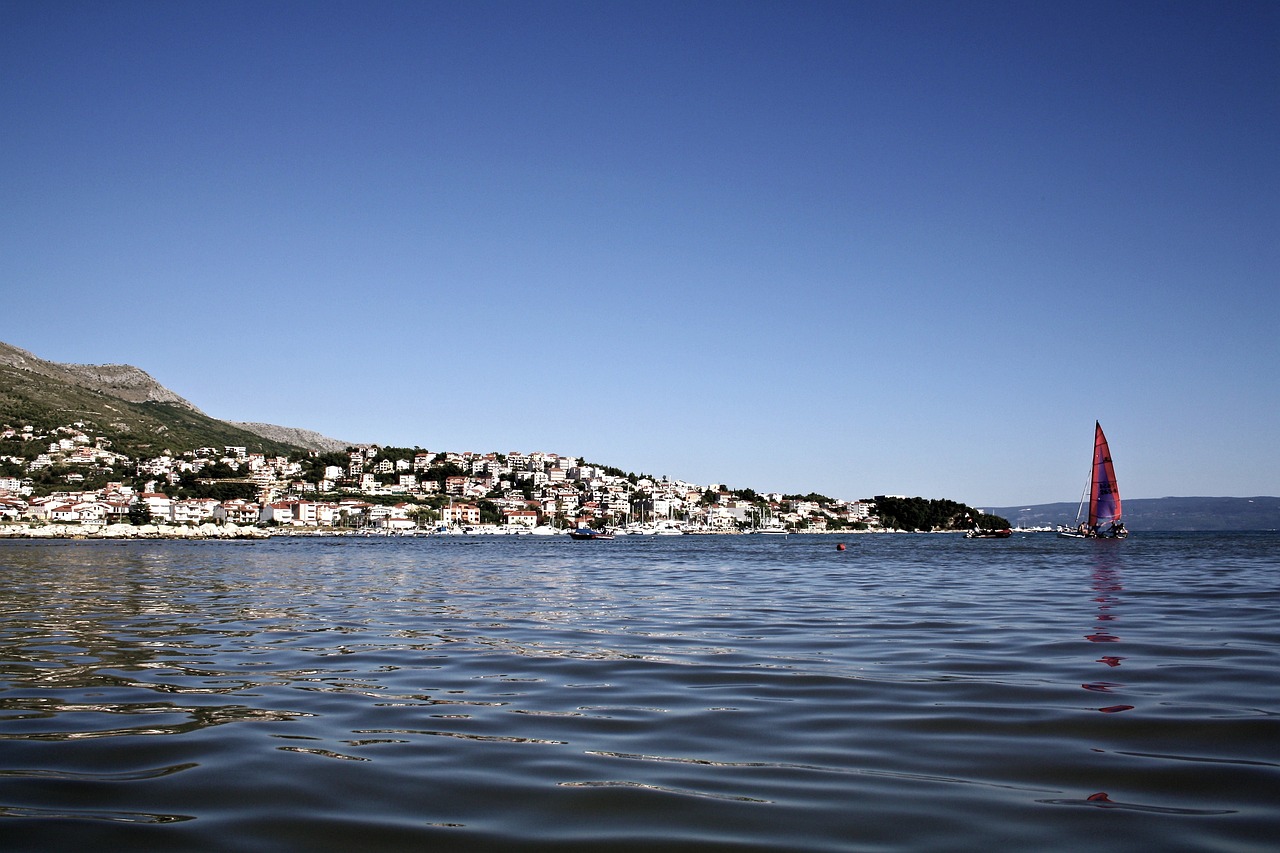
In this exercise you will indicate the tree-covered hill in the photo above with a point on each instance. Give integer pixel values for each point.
(937, 514)
(135, 429)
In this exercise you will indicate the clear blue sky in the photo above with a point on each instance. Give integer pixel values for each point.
(854, 248)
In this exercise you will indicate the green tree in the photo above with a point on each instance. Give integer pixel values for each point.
(939, 514)
(423, 516)
(442, 471)
(489, 512)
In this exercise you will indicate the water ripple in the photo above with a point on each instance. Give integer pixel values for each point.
(1103, 802)
(83, 776)
(22, 718)
(666, 790)
(816, 768)
(686, 694)
(91, 814)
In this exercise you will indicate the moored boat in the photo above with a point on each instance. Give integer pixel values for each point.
(588, 533)
(988, 534)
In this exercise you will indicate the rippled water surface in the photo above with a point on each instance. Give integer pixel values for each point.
(675, 693)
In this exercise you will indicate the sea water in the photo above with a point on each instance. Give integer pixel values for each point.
(921, 692)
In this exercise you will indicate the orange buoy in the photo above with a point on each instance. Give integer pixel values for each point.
(839, 546)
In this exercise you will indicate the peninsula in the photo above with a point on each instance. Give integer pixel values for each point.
(106, 450)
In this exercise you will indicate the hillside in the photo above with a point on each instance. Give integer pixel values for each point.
(122, 381)
(123, 404)
(1157, 514)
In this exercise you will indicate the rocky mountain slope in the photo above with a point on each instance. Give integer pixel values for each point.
(115, 380)
(129, 407)
(309, 439)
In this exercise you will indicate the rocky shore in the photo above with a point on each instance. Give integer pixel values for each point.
(130, 531)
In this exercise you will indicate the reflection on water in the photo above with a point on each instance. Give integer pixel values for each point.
(683, 693)
(1106, 586)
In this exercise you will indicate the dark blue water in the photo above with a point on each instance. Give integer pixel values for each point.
(674, 693)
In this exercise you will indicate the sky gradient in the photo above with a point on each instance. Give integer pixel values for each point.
(855, 248)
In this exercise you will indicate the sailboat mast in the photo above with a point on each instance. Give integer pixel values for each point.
(1099, 453)
(1084, 496)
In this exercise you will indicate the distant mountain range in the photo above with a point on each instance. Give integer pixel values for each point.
(126, 405)
(1157, 514)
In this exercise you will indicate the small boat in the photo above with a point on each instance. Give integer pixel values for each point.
(588, 533)
(988, 534)
(1103, 495)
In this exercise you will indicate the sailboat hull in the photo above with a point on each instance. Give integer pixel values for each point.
(1075, 534)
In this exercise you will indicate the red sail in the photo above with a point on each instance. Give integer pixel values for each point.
(1104, 494)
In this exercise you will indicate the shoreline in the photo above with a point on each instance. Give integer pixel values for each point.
(131, 531)
(231, 531)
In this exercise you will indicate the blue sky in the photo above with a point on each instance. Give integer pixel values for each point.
(854, 248)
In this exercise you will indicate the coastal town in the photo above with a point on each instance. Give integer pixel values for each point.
(69, 481)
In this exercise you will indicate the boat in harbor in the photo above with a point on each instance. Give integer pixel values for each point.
(588, 533)
(1102, 495)
(767, 525)
(988, 534)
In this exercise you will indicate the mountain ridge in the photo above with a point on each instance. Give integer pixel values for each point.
(1194, 513)
(134, 385)
(123, 404)
(305, 438)
(124, 381)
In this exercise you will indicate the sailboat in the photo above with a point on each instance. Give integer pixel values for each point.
(1103, 495)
